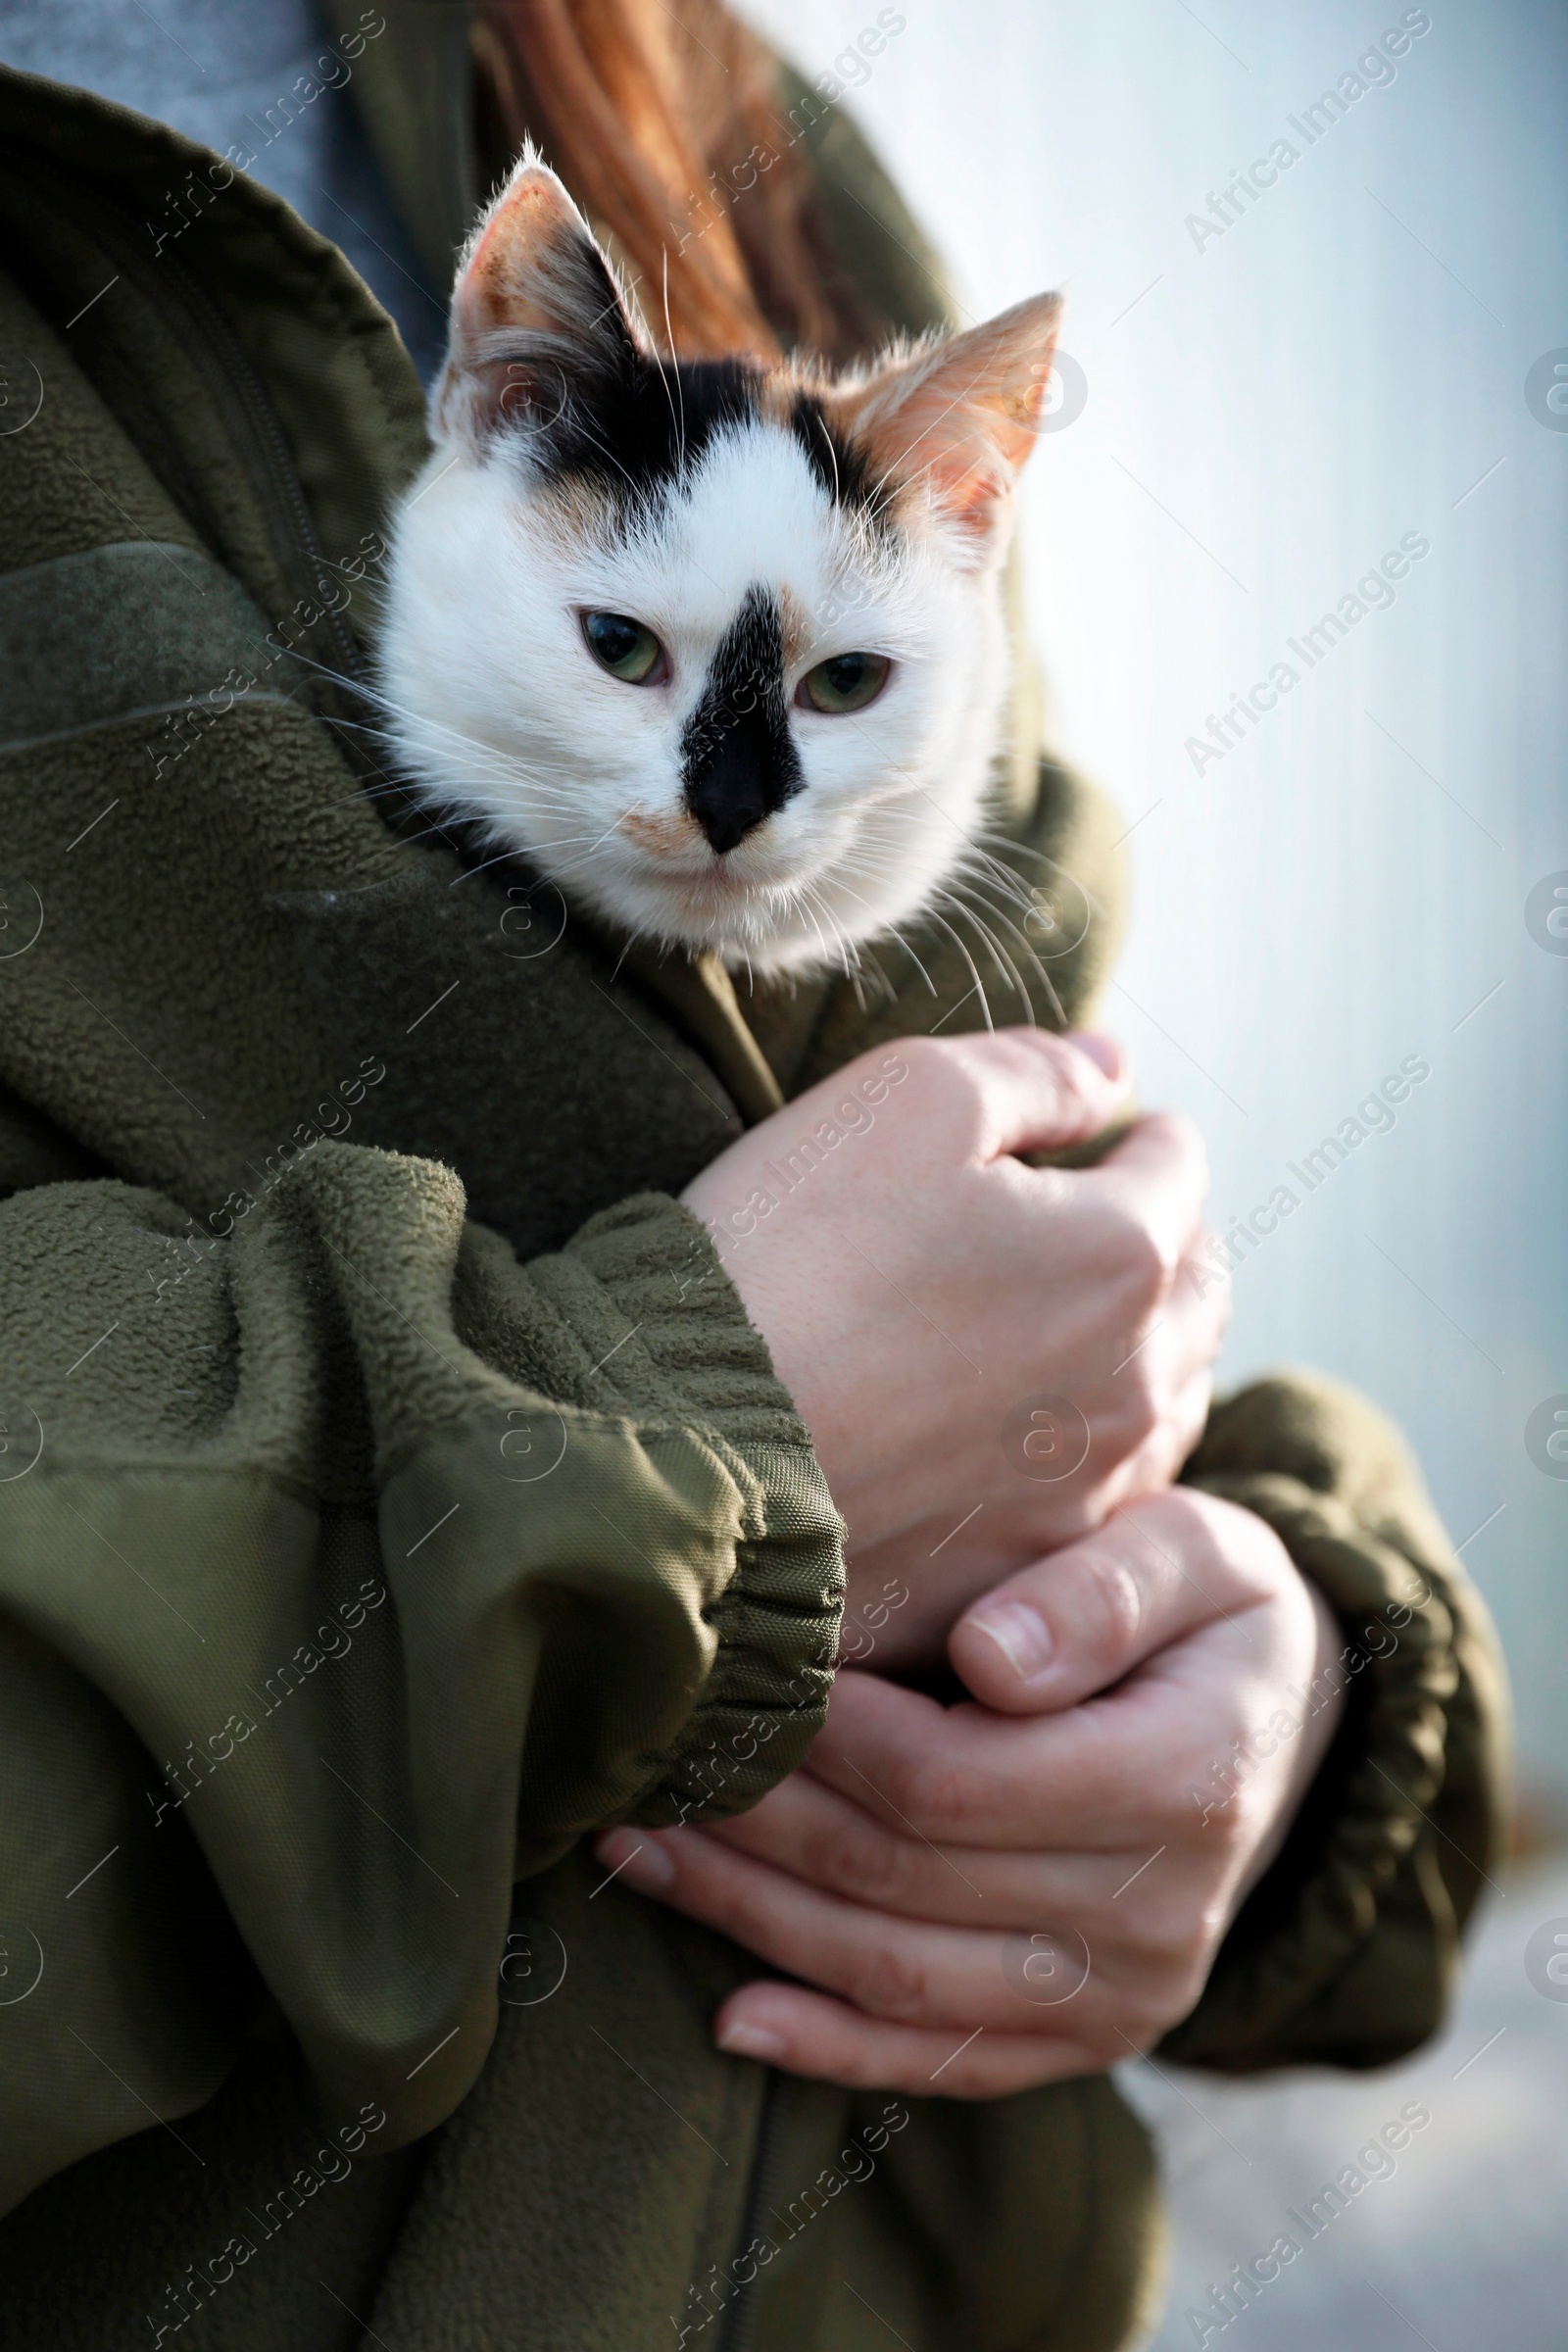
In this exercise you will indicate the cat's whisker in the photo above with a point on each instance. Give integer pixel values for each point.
(362, 687)
(1030, 906)
(849, 951)
(664, 375)
(415, 726)
(847, 945)
(890, 930)
(814, 898)
(406, 840)
(971, 838)
(1023, 848)
(994, 870)
(883, 929)
(870, 968)
(943, 924)
(803, 895)
(962, 881)
(484, 865)
(507, 777)
(513, 852)
(1046, 981)
(961, 907)
(477, 807)
(597, 843)
(979, 884)
(476, 747)
(809, 899)
(1000, 957)
(592, 438)
(450, 742)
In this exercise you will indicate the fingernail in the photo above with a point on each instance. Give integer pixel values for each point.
(637, 1858)
(1020, 1632)
(1102, 1050)
(753, 2041)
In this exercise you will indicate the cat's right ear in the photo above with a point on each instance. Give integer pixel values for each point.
(534, 304)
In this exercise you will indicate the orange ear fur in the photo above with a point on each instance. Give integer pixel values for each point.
(524, 268)
(961, 416)
(533, 288)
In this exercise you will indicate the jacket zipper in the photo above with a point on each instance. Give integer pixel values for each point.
(744, 2316)
(274, 447)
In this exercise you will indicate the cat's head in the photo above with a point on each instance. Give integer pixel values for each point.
(714, 645)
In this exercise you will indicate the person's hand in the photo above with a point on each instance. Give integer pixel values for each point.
(981, 1901)
(989, 1356)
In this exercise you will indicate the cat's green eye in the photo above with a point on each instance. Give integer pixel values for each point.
(624, 647)
(848, 682)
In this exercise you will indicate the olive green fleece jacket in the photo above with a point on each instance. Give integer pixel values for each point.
(392, 1487)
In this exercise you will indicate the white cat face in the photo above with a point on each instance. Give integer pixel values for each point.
(718, 649)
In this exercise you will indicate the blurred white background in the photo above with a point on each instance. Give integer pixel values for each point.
(1267, 414)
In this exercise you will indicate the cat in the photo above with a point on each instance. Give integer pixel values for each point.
(715, 646)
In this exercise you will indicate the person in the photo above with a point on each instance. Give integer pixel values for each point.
(420, 1545)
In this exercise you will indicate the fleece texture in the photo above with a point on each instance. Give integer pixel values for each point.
(391, 1487)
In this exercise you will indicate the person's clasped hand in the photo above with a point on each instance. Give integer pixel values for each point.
(985, 1897)
(979, 1899)
(921, 1285)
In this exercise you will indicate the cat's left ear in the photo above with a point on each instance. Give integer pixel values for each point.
(959, 419)
(535, 303)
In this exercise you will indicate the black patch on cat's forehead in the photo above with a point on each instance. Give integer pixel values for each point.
(839, 466)
(635, 426)
(739, 763)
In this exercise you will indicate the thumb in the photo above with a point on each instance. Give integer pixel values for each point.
(1100, 1050)
(1077, 1622)
(1039, 1092)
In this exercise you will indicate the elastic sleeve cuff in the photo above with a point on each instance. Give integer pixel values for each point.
(649, 1267)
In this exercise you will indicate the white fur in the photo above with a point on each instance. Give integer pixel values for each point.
(498, 710)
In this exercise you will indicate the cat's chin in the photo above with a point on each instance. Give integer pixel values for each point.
(717, 910)
(767, 926)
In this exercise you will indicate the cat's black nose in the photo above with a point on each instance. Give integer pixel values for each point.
(738, 759)
(734, 790)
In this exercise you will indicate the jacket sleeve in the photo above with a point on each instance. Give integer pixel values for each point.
(350, 1568)
(1347, 1950)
